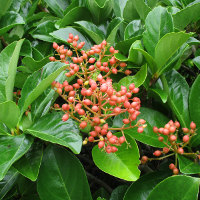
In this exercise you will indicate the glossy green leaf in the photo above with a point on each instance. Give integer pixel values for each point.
(140, 189)
(10, 20)
(5, 5)
(51, 128)
(76, 14)
(186, 16)
(34, 87)
(138, 79)
(3, 129)
(42, 31)
(100, 10)
(153, 118)
(194, 100)
(167, 46)
(188, 166)
(62, 176)
(63, 34)
(43, 103)
(92, 30)
(8, 67)
(11, 149)
(121, 164)
(118, 192)
(7, 183)
(26, 49)
(152, 3)
(158, 23)
(161, 93)
(175, 186)
(57, 6)
(9, 114)
(112, 30)
(34, 65)
(196, 61)
(119, 7)
(178, 96)
(133, 29)
(142, 8)
(29, 164)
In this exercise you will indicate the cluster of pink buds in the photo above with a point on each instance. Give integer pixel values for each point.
(172, 144)
(92, 99)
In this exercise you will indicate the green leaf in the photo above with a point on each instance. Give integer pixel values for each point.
(63, 34)
(138, 79)
(76, 14)
(186, 16)
(5, 5)
(153, 118)
(51, 128)
(100, 10)
(42, 31)
(8, 182)
(119, 7)
(112, 30)
(140, 189)
(175, 186)
(11, 149)
(29, 164)
(121, 164)
(92, 31)
(34, 65)
(9, 114)
(142, 8)
(194, 101)
(3, 129)
(178, 96)
(196, 61)
(118, 192)
(35, 84)
(62, 176)
(10, 20)
(57, 6)
(158, 23)
(161, 93)
(133, 29)
(167, 46)
(8, 67)
(188, 166)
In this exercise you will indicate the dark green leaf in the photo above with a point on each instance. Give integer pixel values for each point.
(76, 14)
(175, 186)
(92, 31)
(118, 193)
(158, 23)
(42, 31)
(26, 49)
(7, 183)
(186, 16)
(8, 66)
(5, 5)
(194, 101)
(11, 149)
(140, 189)
(51, 128)
(35, 84)
(188, 166)
(122, 164)
(178, 96)
(153, 118)
(196, 61)
(112, 30)
(9, 114)
(167, 46)
(10, 20)
(161, 93)
(29, 164)
(63, 34)
(62, 176)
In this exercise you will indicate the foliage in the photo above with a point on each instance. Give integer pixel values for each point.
(155, 45)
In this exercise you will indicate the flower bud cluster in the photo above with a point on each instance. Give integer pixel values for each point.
(92, 99)
(172, 144)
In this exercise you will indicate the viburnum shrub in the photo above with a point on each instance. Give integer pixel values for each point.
(93, 99)
(173, 145)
